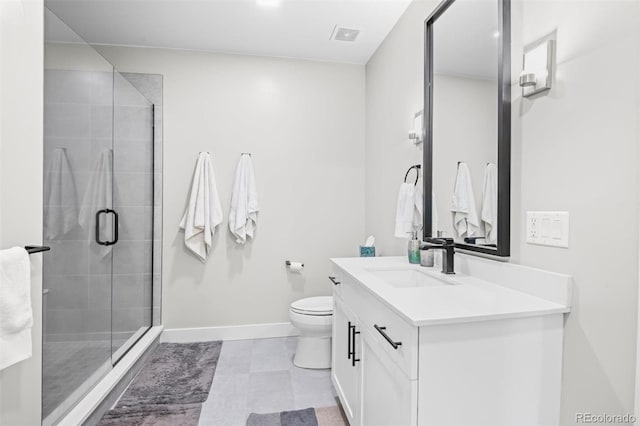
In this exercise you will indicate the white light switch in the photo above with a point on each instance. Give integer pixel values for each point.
(548, 228)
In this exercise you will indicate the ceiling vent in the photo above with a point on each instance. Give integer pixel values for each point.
(344, 34)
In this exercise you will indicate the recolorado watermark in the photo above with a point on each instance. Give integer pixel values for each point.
(605, 418)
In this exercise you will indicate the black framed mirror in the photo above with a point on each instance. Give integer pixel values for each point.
(467, 125)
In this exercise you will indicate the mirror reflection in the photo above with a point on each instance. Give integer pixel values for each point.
(465, 121)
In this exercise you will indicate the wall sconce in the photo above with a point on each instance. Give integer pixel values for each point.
(415, 135)
(537, 64)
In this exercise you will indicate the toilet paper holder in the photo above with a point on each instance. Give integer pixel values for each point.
(288, 263)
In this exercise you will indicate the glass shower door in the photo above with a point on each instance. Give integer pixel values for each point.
(78, 158)
(98, 218)
(134, 201)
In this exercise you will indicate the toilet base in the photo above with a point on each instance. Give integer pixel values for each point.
(313, 352)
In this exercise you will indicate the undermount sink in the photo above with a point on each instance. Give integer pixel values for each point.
(405, 277)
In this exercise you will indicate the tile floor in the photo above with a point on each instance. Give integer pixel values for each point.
(258, 376)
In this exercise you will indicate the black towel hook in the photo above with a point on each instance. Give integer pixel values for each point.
(417, 167)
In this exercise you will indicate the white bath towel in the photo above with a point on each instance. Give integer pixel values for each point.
(203, 213)
(463, 206)
(406, 211)
(61, 205)
(16, 316)
(243, 215)
(489, 212)
(99, 196)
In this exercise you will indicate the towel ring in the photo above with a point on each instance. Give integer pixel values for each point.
(417, 167)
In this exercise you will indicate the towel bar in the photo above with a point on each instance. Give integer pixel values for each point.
(36, 249)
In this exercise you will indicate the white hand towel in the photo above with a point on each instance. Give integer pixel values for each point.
(99, 196)
(203, 213)
(16, 316)
(61, 205)
(465, 217)
(489, 212)
(405, 210)
(418, 201)
(243, 215)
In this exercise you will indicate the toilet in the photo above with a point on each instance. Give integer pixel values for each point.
(313, 317)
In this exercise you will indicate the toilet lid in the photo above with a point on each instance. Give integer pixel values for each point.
(321, 305)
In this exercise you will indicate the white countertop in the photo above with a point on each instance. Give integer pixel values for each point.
(463, 298)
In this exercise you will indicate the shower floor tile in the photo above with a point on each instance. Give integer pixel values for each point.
(259, 376)
(67, 365)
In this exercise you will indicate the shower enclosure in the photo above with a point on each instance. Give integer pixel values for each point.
(100, 207)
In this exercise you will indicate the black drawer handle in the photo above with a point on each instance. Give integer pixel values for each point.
(353, 346)
(349, 340)
(386, 337)
(334, 281)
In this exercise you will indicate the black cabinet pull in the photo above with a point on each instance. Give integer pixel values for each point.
(334, 281)
(387, 338)
(115, 227)
(353, 345)
(349, 340)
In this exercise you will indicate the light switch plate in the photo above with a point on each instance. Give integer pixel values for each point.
(548, 228)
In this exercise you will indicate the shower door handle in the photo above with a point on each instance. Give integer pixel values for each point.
(115, 227)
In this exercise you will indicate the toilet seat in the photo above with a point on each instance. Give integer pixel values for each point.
(313, 306)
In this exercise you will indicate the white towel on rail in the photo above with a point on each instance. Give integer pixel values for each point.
(489, 212)
(61, 205)
(243, 214)
(408, 217)
(463, 206)
(16, 315)
(203, 213)
(99, 196)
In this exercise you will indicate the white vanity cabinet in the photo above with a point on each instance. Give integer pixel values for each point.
(345, 365)
(458, 352)
(389, 396)
(376, 379)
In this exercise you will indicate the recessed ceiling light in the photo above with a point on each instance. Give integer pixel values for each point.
(344, 34)
(268, 3)
(496, 34)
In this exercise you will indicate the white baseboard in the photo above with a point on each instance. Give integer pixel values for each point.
(234, 332)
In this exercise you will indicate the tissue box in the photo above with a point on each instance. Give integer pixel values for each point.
(367, 251)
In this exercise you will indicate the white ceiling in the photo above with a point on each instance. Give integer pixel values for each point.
(295, 28)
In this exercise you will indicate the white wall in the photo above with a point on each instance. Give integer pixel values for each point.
(21, 50)
(304, 124)
(574, 149)
(394, 95)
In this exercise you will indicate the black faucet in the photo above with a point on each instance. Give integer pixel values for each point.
(448, 246)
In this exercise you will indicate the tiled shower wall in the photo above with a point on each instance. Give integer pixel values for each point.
(79, 118)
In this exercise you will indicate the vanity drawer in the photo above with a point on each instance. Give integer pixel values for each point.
(378, 320)
(337, 278)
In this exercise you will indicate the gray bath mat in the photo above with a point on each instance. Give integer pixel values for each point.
(177, 373)
(170, 388)
(156, 415)
(326, 416)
